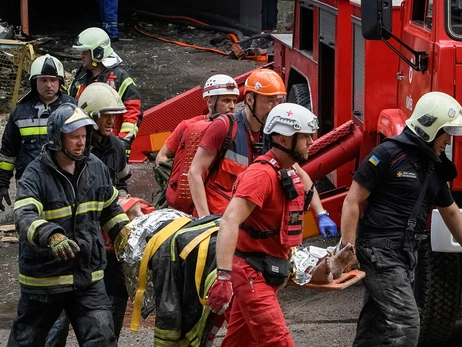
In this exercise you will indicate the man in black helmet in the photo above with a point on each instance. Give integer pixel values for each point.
(25, 132)
(64, 198)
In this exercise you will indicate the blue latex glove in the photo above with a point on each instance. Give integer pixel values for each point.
(326, 226)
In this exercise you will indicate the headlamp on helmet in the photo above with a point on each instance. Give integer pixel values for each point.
(220, 85)
(288, 119)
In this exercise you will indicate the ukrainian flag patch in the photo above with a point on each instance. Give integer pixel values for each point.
(374, 160)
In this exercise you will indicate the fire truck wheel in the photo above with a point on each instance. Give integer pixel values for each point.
(437, 289)
(300, 94)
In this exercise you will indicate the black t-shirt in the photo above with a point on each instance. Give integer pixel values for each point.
(394, 176)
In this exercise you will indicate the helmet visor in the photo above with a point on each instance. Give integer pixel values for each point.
(453, 130)
(78, 120)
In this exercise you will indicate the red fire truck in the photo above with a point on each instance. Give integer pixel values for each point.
(361, 69)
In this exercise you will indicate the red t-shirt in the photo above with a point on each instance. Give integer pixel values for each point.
(269, 198)
(216, 134)
(173, 141)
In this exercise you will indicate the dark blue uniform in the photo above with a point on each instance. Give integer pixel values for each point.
(394, 173)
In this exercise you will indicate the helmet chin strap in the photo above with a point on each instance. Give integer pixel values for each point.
(297, 157)
(252, 109)
(73, 157)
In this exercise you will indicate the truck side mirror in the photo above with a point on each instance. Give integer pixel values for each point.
(375, 17)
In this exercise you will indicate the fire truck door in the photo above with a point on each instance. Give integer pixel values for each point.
(327, 34)
(417, 33)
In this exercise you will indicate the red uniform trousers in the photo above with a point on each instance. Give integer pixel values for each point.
(256, 318)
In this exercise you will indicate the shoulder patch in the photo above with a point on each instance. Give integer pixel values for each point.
(374, 160)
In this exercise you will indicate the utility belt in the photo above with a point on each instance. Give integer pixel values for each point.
(259, 234)
(411, 242)
(274, 270)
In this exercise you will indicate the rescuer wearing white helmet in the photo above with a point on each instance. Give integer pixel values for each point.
(398, 182)
(261, 223)
(25, 132)
(220, 92)
(64, 200)
(101, 64)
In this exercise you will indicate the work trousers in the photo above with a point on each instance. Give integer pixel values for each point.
(390, 316)
(256, 318)
(88, 310)
(114, 281)
(108, 12)
(57, 336)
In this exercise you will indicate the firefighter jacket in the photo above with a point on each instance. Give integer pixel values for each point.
(237, 158)
(184, 268)
(25, 134)
(126, 127)
(49, 202)
(112, 153)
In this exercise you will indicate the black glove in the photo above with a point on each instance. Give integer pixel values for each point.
(4, 195)
(127, 144)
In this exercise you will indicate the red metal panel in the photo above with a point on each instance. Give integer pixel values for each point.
(334, 154)
(166, 116)
(391, 122)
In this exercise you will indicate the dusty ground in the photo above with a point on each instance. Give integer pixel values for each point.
(161, 71)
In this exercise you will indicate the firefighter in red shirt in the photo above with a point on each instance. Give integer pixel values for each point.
(263, 90)
(101, 64)
(220, 93)
(262, 222)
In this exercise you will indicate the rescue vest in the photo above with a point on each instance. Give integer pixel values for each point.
(219, 185)
(291, 228)
(178, 193)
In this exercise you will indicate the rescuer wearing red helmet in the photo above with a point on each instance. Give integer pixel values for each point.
(264, 89)
(262, 222)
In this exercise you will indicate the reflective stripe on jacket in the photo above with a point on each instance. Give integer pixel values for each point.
(25, 134)
(126, 127)
(46, 203)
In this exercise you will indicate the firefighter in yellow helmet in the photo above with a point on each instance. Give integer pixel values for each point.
(101, 64)
(400, 180)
